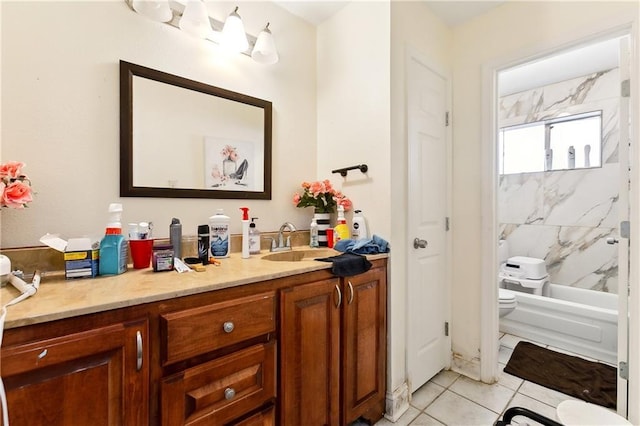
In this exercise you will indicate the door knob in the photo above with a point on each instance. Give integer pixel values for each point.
(612, 240)
(418, 243)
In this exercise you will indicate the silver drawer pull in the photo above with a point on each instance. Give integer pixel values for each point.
(138, 351)
(229, 393)
(228, 327)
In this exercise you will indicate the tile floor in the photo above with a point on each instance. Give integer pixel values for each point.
(452, 399)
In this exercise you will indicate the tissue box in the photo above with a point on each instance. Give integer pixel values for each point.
(81, 255)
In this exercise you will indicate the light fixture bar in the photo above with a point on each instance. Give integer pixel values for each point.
(177, 9)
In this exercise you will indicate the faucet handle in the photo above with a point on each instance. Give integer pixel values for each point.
(273, 241)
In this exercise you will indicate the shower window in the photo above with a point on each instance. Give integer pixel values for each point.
(562, 143)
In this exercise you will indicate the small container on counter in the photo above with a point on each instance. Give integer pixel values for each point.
(162, 259)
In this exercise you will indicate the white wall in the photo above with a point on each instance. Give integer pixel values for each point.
(60, 111)
(508, 32)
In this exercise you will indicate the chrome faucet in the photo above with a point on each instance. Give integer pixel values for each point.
(282, 245)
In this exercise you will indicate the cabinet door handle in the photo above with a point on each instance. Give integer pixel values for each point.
(350, 292)
(229, 393)
(138, 351)
(228, 326)
(339, 296)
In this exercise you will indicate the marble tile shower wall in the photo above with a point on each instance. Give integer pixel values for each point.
(565, 216)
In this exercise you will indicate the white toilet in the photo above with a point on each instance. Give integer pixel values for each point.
(506, 299)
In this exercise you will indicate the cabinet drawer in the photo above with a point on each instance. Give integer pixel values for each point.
(266, 417)
(192, 332)
(221, 390)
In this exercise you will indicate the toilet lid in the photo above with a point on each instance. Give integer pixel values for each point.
(506, 295)
(580, 413)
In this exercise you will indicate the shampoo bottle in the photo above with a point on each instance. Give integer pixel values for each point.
(341, 231)
(313, 234)
(114, 252)
(245, 232)
(254, 238)
(359, 226)
(219, 234)
(203, 243)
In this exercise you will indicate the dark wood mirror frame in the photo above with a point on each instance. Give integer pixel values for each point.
(127, 189)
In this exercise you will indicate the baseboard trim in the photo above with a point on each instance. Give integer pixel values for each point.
(397, 402)
(466, 367)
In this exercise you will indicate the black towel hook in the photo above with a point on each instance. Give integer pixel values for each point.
(343, 172)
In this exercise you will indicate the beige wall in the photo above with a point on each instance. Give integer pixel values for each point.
(353, 107)
(60, 111)
(506, 33)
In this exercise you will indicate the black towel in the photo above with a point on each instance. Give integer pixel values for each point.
(347, 264)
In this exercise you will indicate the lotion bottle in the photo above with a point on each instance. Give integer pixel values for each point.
(219, 234)
(245, 232)
(254, 238)
(359, 226)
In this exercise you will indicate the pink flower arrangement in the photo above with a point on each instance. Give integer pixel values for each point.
(321, 196)
(15, 186)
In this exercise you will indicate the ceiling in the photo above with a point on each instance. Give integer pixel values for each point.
(562, 66)
(452, 12)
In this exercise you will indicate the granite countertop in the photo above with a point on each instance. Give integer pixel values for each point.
(58, 298)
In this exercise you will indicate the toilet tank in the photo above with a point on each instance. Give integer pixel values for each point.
(525, 267)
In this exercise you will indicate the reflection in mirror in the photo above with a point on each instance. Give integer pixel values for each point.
(561, 143)
(181, 138)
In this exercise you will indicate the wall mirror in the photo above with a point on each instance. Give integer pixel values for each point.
(180, 138)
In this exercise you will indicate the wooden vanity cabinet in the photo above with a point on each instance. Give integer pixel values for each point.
(333, 350)
(97, 376)
(232, 385)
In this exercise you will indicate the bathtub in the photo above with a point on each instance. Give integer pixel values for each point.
(577, 320)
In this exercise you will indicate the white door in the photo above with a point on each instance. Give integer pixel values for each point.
(427, 289)
(623, 214)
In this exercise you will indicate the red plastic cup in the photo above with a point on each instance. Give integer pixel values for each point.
(141, 253)
(330, 237)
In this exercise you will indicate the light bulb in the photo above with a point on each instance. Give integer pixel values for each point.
(233, 36)
(195, 20)
(264, 51)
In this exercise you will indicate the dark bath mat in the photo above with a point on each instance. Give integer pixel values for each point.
(590, 381)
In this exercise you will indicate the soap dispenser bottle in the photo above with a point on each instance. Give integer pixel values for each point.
(245, 232)
(254, 238)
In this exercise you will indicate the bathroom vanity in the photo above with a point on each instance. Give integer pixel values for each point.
(251, 342)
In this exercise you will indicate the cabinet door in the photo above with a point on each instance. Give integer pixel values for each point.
(310, 354)
(364, 346)
(96, 377)
(266, 417)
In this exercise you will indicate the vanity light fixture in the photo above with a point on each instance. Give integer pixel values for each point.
(157, 10)
(194, 19)
(265, 51)
(234, 39)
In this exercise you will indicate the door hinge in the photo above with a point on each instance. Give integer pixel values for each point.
(625, 229)
(446, 328)
(624, 370)
(625, 88)
(447, 224)
(446, 119)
